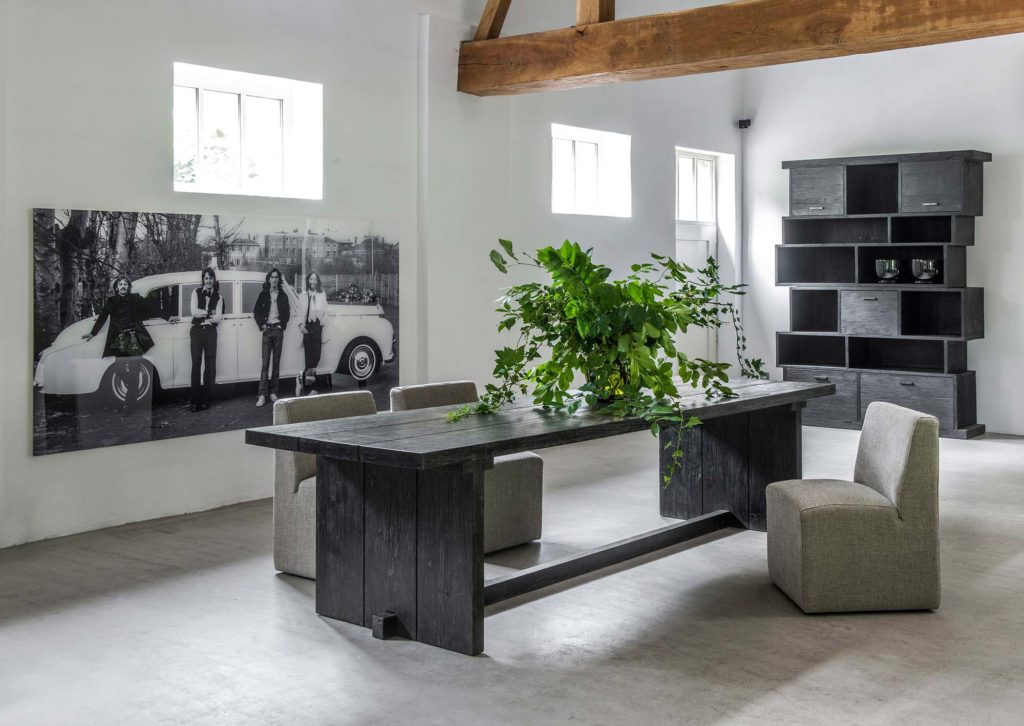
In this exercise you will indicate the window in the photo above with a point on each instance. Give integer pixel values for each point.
(695, 187)
(243, 133)
(227, 294)
(162, 302)
(590, 172)
(250, 294)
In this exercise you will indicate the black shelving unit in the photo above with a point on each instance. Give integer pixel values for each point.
(902, 340)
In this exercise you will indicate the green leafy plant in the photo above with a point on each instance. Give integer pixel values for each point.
(619, 336)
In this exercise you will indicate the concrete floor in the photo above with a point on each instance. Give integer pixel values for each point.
(184, 621)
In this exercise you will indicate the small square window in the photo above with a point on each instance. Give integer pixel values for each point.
(243, 133)
(590, 172)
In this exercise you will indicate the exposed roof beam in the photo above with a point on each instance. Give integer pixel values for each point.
(743, 34)
(594, 11)
(492, 19)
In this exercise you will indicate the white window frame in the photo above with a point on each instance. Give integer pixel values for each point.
(301, 127)
(614, 190)
(698, 156)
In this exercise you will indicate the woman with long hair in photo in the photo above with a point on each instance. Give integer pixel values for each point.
(207, 311)
(127, 338)
(271, 314)
(313, 309)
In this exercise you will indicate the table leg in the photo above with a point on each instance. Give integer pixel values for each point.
(728, 462)
(401, 551)
(450, 564)
(776, 454)
(339, 540)
(389, 555)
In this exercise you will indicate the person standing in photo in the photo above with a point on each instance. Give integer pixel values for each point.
(127, 338)
(271, 314)
(207, 311)
(313, 309)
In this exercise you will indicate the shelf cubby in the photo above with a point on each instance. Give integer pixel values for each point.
(814, 311)
(809, 265)
(952, 264)
(872, 188)
(835, 231)
(927, 229)
(936, 313)
(898, 354)
(811, 350)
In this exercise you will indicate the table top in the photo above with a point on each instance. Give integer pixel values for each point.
(426, 439)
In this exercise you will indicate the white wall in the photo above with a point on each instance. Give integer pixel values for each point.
(486, 173)
(955, 96)
(697, 112)
(464, 206)
(8, 353)
(88, 125)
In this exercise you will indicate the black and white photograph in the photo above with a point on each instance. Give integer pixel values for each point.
(151, 326)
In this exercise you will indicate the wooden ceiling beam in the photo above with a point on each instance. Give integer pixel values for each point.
(735, 35)
(594, 11)
(492, 20)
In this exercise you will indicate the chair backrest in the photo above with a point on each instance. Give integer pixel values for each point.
(898, 457)
(291, 468)
(406, 398)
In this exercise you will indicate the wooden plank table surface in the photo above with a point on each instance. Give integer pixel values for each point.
(400, 499)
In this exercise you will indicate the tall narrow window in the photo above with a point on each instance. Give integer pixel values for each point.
(242, 133)
(590, 172)
(695, 188)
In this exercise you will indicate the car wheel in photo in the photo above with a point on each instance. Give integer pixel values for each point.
(117, 382)
(361, 359)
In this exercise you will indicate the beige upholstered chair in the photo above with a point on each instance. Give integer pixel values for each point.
(512, 489)
(869, 544)
(295, 479)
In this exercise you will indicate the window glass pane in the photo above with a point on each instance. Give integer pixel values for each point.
(186, 298)
(264, 145)
(186, 134)
(586, 177)
(563, 191)
(250, 293)
(221, 134)
(705, 190)
(686, 187)
(162, 302)
(227, 293)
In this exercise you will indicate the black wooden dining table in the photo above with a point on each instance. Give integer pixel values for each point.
(399, 499)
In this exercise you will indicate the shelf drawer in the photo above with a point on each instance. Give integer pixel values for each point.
(934, 395)
(838, 410)
(817, 190)
(931, 186)
(869, 313)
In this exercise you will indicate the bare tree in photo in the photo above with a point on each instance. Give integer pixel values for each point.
(223, 239)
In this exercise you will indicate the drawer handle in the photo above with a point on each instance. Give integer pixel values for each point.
(870, 298)
(823, 379)
(907, 383)
(929, 204)
(816, 209)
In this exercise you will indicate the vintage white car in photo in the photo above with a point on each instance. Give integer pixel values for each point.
(357, 340)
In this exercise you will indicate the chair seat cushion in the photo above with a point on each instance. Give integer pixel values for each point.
(808, 494)
(513, 503)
